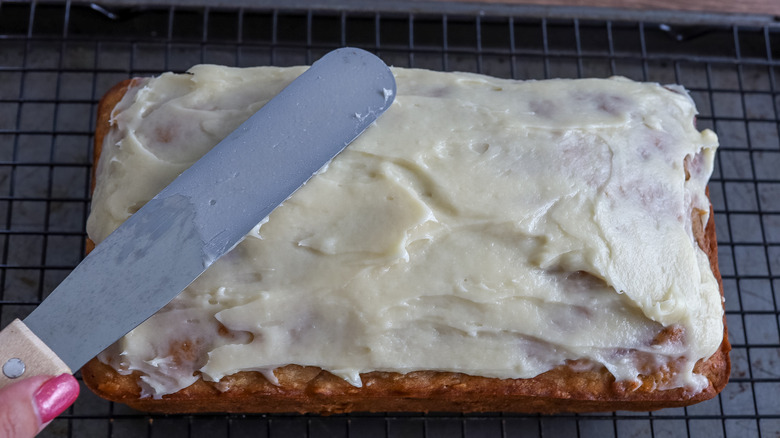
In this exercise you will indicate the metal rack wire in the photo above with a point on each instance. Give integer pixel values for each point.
(57, 59)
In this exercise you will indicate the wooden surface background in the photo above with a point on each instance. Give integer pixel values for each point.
(754, 7)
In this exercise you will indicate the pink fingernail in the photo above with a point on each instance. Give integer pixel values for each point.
(55, 396)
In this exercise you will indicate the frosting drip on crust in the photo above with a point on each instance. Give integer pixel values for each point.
(485, 226)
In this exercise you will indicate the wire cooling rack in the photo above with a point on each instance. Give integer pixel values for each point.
(57, 59)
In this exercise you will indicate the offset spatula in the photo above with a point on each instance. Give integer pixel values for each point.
(200, 216)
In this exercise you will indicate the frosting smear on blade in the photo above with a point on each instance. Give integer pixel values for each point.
(484, 226)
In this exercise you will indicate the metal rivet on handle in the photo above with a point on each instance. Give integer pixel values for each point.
(14, 368)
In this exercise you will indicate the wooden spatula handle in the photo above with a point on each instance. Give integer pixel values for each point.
(22, 354)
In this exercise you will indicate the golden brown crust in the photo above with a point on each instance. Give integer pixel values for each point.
(312, 390)
(102, 126)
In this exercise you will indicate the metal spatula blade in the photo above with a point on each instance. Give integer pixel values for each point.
(200, 216)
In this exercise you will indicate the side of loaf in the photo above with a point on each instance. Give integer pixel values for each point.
(450, 205)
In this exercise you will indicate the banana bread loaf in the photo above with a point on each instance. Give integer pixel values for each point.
(487, 245)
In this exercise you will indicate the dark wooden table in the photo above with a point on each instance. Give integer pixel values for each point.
(752, 7)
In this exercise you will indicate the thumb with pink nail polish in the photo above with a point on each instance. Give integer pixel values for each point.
(27, 406)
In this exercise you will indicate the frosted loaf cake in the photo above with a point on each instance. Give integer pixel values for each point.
(547, 244)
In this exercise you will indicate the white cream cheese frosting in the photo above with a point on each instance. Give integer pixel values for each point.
(484, 226)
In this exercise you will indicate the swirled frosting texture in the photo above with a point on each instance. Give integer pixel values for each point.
(484, 226)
